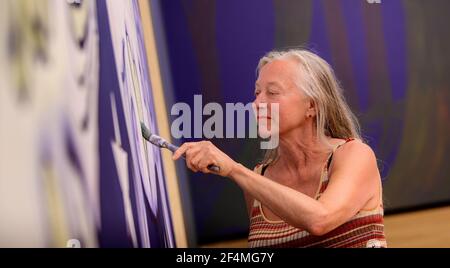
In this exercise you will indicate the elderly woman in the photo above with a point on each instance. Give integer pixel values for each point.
(320, 187)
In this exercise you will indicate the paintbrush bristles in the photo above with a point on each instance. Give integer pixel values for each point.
(145, 132)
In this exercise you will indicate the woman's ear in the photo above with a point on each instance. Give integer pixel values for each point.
(311, 111)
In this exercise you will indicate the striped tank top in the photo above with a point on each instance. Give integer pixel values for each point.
(365, 229)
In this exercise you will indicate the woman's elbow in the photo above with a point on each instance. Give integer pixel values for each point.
(317, 229)
(318, 224)
(325, 223)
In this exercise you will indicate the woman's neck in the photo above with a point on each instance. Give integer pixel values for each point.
(301, 149)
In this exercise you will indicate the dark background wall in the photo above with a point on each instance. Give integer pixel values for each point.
(392, 59)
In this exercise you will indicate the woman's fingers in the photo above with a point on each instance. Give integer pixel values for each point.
(191, 167)
(195, 161)
(200, 158)
(204, 163)
(200, 155)
(191, 150)
(204, 167)
(183, 148)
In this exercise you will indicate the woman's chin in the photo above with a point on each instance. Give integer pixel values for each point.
(265, 134)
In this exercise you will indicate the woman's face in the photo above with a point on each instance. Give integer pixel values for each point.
(276, 85)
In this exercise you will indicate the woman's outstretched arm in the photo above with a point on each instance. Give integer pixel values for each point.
(353, 183)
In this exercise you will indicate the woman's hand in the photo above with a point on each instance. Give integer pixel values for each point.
(199, 155)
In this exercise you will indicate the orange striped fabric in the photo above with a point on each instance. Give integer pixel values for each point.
(365, 229)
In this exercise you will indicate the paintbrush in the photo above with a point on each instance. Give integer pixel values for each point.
(162, 143)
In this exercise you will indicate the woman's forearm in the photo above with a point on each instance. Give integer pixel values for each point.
(293, 207)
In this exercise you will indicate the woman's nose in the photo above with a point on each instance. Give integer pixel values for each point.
(259, 99)
(260, 107)
(257, 105)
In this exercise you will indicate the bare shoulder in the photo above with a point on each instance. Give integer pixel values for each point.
(354, 166)
(355, 156)
(354, 177)
(354, 150)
